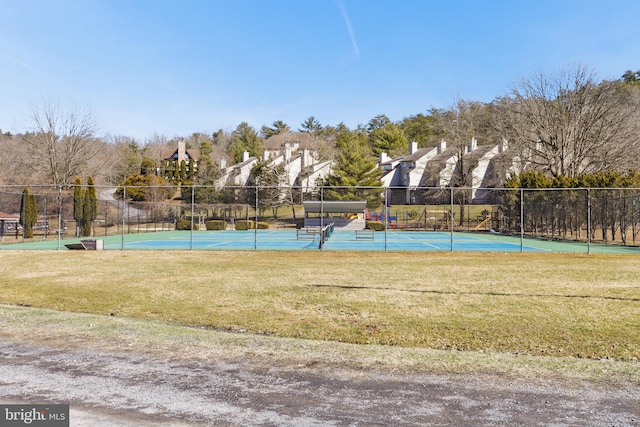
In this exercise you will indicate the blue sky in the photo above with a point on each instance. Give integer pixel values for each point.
(176, 67)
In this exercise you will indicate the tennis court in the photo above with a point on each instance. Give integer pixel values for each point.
(292, 240)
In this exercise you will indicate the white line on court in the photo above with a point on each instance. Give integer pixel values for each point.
(416, 240)
(220, 243)
(429, 244)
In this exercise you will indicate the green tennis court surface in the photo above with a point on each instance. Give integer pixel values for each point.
(410, 241)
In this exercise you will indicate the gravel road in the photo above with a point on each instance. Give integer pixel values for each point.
(118, 389)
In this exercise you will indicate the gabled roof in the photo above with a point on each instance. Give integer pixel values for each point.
(331, 206)
(416, 155)
(276, 142)
(167, 154)
(8, 217)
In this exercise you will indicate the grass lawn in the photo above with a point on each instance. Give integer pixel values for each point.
(519, 304)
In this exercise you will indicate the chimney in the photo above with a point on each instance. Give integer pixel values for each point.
(413, 147)
(265, 155)
(503, 146)
(182, 150)
(287, 153)
(442, 146)
(383, 158)
(306, 158)
(245, 156)
(472, 145)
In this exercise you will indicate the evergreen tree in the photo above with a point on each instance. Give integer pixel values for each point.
(78, 205)
(354, 166)
(245, 138)
(89, 210)
(176, 170)
(28, 213)
(389, 139)
(183, 170)
(311, 125)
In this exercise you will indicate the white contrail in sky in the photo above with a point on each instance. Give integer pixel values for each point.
(25, 65)
(340, 4)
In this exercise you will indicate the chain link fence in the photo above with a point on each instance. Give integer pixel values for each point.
(590, 215)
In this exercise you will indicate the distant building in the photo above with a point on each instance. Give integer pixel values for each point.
(437, 168)
(173, 158)
(296, 152)
(413, 178)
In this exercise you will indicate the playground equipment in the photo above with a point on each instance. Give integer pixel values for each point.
(483, 223)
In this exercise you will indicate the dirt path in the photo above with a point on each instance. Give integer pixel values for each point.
(128, 389)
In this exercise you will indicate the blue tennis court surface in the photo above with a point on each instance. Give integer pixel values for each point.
(290, 240)
(339, 241)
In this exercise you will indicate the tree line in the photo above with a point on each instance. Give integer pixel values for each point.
(561, 124)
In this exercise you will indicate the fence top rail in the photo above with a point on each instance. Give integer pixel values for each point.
(18, 188)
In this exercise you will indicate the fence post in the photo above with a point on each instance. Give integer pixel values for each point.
(588, 220)
(386, 202)
(255, 226)
(321, 207)
(451, 218)
(59, 215)
(124, 201)
(192, 213)
(521, 220)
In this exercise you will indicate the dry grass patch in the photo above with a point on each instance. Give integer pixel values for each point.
(531, 304)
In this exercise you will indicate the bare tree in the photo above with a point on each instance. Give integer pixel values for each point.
(462, 123)
(61, 143)
(570, 124)
(11, 154)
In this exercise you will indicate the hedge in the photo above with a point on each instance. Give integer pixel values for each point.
(250, 225)
(375, 225)
(183, 224)
(216, 224)
(243, 224)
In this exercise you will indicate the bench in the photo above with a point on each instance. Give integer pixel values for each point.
(364, 234)
(307, 233)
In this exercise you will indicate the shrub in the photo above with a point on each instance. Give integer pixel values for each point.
(216, 224)
(375, 225)
(243, 224)
(262, 226)
(183, 224)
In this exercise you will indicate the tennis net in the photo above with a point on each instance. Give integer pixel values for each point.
(325, 233)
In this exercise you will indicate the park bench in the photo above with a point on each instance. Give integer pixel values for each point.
(364, 234)
(307, 233)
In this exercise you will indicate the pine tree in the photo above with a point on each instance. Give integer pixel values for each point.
(28, 212)
(89, 210)
(93, 199)
(78, 205)
(183, 170)
(354, 166)
(86, 214)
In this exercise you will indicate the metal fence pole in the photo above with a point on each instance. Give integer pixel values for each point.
(192, 213)
(255, 226)
(451, 218)
(321, 207)
(521, 220)
(124, 201)
(588, 221)
(59, 215)
(386, 203)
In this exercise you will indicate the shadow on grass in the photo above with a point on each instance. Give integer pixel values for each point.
(499, 294)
